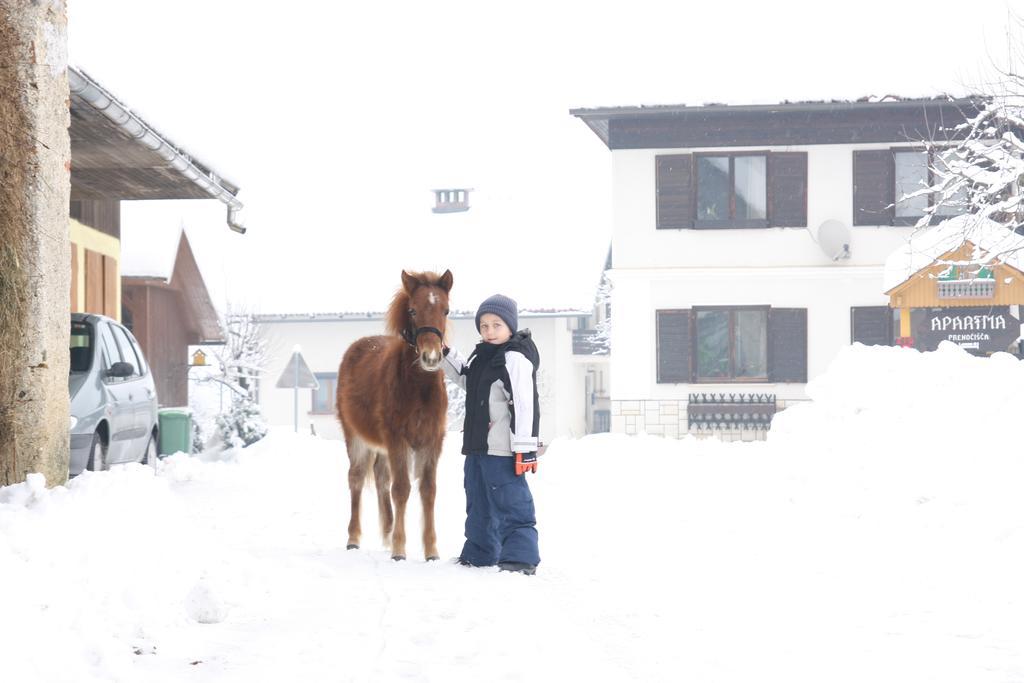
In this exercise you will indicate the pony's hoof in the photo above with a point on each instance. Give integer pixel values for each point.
(398, 558)
(433, 558)
(352, 546)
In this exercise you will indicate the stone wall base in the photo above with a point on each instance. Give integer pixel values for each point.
(668, 418)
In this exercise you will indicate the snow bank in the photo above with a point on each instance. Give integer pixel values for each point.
(876, 535)
(91, 571)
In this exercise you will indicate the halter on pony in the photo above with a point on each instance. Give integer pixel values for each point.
(410, 335)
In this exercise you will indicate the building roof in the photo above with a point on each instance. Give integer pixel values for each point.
(927, 245)
(356, 316)
(518, 246)
(117, 155)
(164, 259)
(150, 251)
(836, 114)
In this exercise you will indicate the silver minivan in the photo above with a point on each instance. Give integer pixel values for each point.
(113, 398)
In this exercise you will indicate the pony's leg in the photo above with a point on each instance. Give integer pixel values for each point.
(428, 491)
(357, 464)
(398, 457)
(382, 475)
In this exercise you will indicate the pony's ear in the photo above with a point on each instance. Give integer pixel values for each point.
(445, 282)
(409, 282)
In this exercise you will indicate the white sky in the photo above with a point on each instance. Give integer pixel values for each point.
(336, 119)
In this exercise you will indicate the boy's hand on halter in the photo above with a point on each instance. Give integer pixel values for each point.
(526, 462)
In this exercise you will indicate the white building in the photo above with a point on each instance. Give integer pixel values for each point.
(749, 245)
(564, 378)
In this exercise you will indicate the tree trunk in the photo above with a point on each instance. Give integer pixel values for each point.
(35, 162)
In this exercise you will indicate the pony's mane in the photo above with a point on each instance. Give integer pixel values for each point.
(395, 321)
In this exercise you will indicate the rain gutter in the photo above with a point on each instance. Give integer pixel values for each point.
(105, 103)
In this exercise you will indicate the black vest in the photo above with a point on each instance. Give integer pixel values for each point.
(486, 366)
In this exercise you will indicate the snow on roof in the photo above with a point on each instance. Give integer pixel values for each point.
(925, 246)
(149, 250)
(740, 103)
(379, 315)
(505, 243)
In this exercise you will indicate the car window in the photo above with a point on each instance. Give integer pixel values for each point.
(80, 347)
(127, 352)
(111, 354)
(137, 348)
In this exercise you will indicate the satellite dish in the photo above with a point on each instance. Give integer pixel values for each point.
(834, 239)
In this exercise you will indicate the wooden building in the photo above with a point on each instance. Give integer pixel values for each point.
(168, 309)
(117, 156)
(961, 281)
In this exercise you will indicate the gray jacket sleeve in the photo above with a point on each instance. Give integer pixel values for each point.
(454, 368)
(520, 373)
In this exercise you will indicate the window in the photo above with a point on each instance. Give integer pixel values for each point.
(883, 178)
(731, 190)
(722, 344)
(142, 367)
(81, 347)
(732, 344)
(109, 349)
(127, 351)
(323, 398)
(874, 325)
(916, 170)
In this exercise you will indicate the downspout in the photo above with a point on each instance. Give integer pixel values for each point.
(233, 221)
(137, 129)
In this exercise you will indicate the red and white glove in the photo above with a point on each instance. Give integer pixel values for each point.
(526, 462)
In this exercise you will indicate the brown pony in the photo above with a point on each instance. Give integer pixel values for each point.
(392, 404)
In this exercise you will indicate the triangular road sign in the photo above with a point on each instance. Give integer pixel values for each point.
(297, 375)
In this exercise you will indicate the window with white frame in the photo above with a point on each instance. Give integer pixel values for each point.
(324, 397)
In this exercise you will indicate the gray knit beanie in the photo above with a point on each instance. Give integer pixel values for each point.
(501, 306)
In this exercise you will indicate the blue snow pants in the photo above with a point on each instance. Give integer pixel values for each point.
(501, 525)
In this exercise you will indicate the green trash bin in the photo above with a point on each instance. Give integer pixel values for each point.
(175, 430)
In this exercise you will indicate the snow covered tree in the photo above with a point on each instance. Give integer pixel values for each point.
(603, 336)
(981, 174)
(456, 405)
(239, 362)
(980, 169)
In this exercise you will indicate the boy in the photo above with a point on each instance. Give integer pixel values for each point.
(499, 439)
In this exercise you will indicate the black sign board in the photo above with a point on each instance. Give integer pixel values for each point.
(982, 329)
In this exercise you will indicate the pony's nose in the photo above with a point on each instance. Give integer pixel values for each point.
(430, 358)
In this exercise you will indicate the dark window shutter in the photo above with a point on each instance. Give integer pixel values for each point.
(674, 346)
(787, 189)
(871, 325)
(787, 339)
(874, 187)
(674, 189)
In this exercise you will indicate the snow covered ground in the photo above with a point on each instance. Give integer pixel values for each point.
(878, 535)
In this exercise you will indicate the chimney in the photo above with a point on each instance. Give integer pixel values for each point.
(451, 200)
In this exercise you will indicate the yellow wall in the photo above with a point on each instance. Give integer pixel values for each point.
(921, 290)
(83, 237)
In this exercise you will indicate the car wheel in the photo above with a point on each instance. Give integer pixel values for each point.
(97, 455)
(150, 456)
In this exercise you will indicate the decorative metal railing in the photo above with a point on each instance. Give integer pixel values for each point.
(709, 411)
(980, 288)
